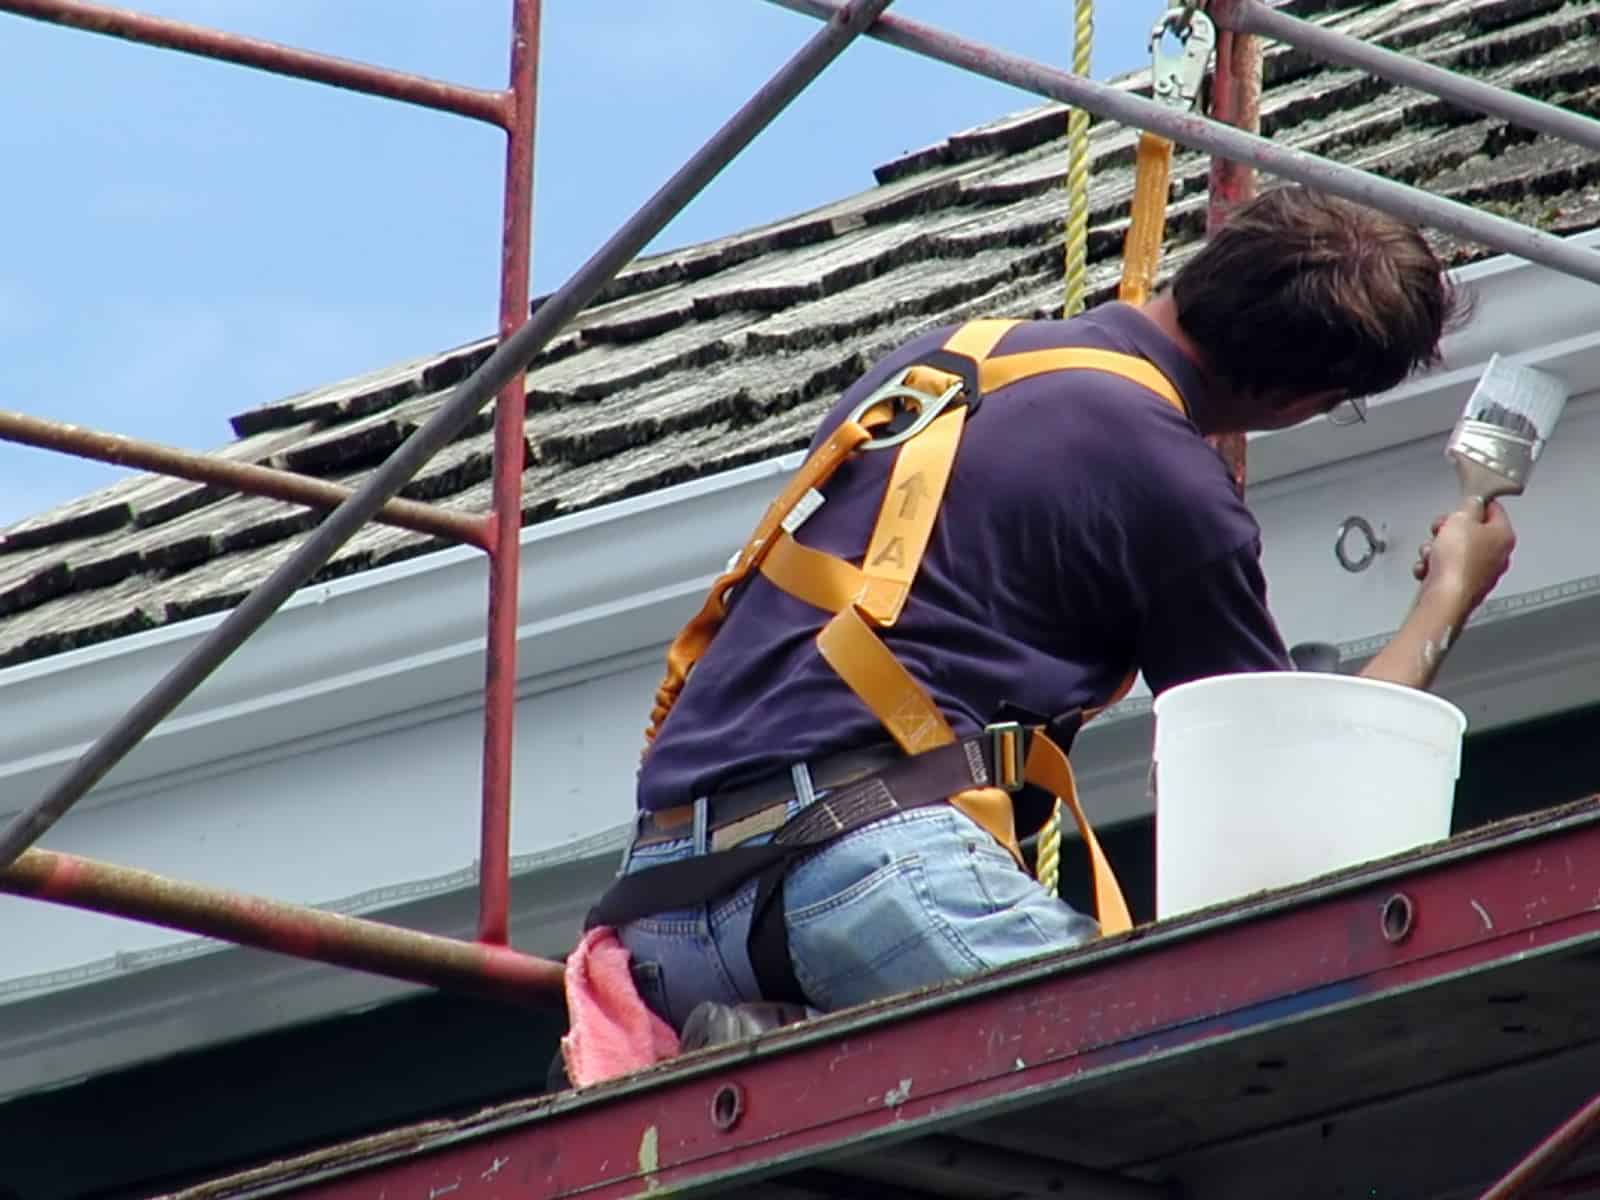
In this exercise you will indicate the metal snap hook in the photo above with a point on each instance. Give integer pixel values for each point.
(1375, 545)
(1177, 76)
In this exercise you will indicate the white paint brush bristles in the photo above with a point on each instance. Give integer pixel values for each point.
(1507, 421)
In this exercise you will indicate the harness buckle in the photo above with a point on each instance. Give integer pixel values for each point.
(1006, 743)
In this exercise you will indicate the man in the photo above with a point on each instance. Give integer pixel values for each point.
(1087, 528)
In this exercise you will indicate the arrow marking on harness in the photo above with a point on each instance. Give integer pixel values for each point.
(915, 489)
(894, 552)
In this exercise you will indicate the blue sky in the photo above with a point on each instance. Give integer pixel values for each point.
(188, 239)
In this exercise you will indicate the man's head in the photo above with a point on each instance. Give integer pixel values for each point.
(1301, 300)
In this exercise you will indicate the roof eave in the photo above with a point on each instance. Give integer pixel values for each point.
(606, 587)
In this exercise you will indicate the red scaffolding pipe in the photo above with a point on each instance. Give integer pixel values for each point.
(1236, 101)
(510, 358)
(1550, 1155)
(278, 59)
(504, 526)
(493, 971)
(251, 478)
(514, 111)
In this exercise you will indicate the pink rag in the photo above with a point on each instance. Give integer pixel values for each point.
(611, 1031)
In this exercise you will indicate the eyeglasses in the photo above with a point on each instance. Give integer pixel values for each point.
(1348, 412)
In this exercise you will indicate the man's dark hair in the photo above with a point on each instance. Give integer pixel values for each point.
(1301, 291)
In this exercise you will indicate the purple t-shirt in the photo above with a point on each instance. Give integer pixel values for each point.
(1088, 529)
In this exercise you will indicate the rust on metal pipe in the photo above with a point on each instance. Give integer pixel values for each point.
(272, 57)
(1236, 101)
(236, 476)
(1251, 16)
(843, 25)
(1197, 132)
(1550, 1155)
(493, 971)
(505, 521)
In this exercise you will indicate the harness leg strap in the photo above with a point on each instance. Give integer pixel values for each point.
(768, 941)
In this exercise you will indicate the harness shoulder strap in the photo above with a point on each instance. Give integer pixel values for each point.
(871, 597)
(996, 373)
(692, 640)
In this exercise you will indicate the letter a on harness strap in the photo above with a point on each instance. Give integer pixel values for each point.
(862, 600)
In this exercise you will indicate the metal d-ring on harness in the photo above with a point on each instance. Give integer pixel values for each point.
(923, 409)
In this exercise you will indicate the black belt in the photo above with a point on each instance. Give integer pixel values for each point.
(992, 758)
(738, 814)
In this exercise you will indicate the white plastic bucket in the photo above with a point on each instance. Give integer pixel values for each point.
(1269, 779)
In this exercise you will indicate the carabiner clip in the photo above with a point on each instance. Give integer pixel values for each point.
(927, 407)
(1177, 75)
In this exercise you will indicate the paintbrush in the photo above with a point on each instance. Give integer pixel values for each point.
(1503, 430)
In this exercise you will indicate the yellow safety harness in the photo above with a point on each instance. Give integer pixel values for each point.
(921, 414)
(863, 599)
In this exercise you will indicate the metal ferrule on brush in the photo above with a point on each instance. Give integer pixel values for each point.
(1495, 449)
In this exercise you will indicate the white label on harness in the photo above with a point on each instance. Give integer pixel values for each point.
(802, 510)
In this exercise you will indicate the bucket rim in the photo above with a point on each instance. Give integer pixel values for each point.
(1286, 679)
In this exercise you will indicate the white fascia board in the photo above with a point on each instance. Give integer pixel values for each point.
(389, 644)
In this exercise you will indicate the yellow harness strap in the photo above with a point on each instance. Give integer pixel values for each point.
(995, 373)
(905, 520)
(1141, 249)
(1047, 767)
(870, 597)
(693, 639)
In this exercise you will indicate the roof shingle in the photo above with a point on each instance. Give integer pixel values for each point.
(705, 358)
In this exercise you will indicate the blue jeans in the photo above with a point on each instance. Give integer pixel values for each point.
(918, 898)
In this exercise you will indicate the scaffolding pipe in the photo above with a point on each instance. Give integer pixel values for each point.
(1235, 101)
(1251, 16)
(512, 356)
(235, 476)
(1550, 1155)
(504, 526)
(1199, 133)
(273, 57)
(493, 971)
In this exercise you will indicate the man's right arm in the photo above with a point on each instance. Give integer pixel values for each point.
(1458, 568)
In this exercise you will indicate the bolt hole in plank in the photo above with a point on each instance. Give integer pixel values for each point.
(1398, 915)
(727, 1106)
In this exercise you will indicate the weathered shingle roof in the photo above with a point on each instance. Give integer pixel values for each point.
(728, 352)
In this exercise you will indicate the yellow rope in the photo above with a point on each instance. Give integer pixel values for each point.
(1048, 867)
(1077, 268)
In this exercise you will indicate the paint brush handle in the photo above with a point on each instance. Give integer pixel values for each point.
(1479, 485)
